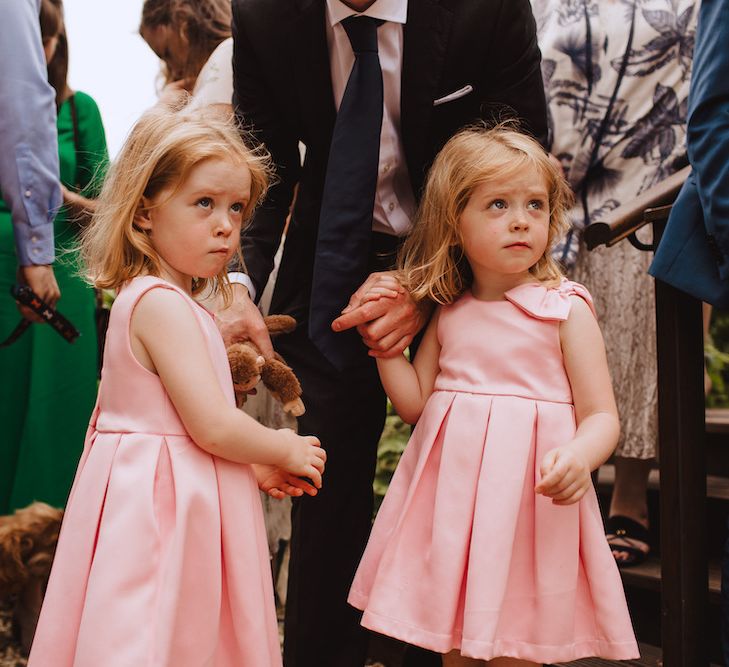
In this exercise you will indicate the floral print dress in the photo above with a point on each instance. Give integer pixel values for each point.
(616, 75)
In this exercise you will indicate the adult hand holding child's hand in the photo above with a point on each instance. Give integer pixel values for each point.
(565, 476)
(385, 314)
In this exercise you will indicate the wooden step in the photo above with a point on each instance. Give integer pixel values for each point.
(717, 420)
(647, 575)
(717, 487)
(650, 656)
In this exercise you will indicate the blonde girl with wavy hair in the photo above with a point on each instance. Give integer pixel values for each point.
(162, 558)
(491, 510)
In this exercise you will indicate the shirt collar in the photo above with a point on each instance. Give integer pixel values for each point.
(387, 10)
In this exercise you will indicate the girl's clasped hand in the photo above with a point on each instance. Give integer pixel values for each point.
(565, 475)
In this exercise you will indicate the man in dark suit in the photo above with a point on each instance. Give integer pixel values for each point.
(693, 254)
(308, 71)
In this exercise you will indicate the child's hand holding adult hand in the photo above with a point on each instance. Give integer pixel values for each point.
(278, 483)
(565, 476)
(304, 456)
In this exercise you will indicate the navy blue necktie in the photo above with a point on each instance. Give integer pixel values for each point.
(345, 220)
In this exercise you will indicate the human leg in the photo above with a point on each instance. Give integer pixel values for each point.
(512, 662)
(455, 659)
(629, 500)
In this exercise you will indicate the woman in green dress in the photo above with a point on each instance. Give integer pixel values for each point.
(48, 387)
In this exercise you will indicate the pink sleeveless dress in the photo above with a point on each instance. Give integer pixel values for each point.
(162, 559)
(463, 554)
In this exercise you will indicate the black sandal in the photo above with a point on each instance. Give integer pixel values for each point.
(630, 531)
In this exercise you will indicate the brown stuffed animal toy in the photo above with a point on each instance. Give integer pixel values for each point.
(248, 367)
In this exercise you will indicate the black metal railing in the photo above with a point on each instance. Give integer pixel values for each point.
(681, 429)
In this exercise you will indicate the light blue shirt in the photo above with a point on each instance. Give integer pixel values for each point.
(28, 137)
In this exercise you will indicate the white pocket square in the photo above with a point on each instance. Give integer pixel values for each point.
(456, 94)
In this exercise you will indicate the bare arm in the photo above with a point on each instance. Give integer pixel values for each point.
(80, 208)
(566, 470)
(166, 338)
(410, 385)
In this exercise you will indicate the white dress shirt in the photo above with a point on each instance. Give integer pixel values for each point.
(394, 199)
(214, 84)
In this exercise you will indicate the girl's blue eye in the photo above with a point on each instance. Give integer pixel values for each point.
(237, 208)
(536, 204)
(205, 202)
(498, 204)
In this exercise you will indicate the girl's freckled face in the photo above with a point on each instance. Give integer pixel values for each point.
(505, 225)
(196, 228)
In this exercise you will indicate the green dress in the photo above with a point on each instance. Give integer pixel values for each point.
(48, 387)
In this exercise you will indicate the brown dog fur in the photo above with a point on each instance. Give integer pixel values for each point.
(27, 543)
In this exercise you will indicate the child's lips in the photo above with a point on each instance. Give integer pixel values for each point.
(519, 244)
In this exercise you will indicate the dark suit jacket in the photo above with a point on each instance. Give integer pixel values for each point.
(694, 252)
(283, 92)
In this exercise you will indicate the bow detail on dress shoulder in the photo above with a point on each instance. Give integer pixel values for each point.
(548, 303)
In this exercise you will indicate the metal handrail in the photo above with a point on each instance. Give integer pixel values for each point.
(684, 583)
(631, 216)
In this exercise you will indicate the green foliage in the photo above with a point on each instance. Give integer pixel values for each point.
(107, 297)
(716, 355)
(392, 443)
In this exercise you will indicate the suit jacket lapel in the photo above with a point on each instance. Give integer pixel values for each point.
(426, 36)
(313, 74)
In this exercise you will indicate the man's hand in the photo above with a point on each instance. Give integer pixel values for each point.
(385, 315)
(243, 321)
(42, 280)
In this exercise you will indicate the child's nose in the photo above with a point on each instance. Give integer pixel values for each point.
(224, 226)
(519, 220)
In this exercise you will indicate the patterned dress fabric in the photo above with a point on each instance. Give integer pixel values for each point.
(162, 558)
(616, 74)
(464, 554)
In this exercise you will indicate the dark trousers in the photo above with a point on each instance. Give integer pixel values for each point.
(346, 411)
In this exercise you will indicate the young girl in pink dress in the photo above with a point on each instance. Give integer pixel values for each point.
(162, 558)
(489, 546)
